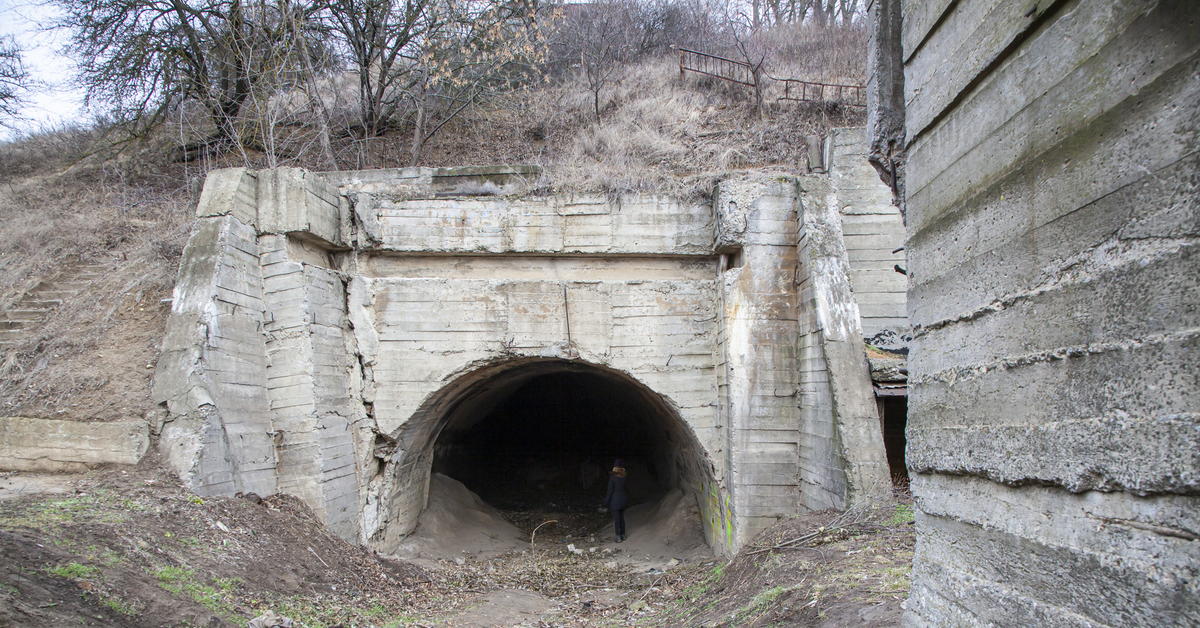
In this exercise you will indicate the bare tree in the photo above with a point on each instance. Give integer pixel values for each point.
(788, 11)
(141, 59)
(747, 44)
(847, 8)
(379, 36)
(494, 50)
(597, 40)
(14, 81)
(286, 99)
(425, 61)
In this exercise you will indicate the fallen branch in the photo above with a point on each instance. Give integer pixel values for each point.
(532, 550)
(314, 553)
(801, 539)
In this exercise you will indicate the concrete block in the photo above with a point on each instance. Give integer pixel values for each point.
(230, 192)
(294, 201)
(47, 445)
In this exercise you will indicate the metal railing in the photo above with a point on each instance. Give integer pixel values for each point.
(738, 72)
(742, 73)
(851, 95)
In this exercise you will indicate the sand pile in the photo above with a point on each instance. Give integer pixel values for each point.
(663, 530)
(457, 523)
(456, 520)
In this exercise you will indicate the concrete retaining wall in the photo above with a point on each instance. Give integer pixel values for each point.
(872, 231)
(841, 445)
(1053, 230)
(757, 224)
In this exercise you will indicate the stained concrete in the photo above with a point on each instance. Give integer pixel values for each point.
(1052, 230)
(333, 336)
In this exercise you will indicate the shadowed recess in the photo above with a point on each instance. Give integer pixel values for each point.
(545, 434)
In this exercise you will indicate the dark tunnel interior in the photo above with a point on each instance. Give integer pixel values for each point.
(548, 441)
(894, 416)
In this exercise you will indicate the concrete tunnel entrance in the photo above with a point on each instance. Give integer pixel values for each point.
(542, 434)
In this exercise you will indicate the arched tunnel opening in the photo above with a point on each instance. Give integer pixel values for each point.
(541, 436)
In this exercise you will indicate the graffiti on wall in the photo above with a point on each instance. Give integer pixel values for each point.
(717, 512)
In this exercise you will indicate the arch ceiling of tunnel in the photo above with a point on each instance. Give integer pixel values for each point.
(584, 407)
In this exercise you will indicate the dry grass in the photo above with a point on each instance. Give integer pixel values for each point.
(660, 132)
(60, 210)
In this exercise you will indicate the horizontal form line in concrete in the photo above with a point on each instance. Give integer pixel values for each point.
(544, 267)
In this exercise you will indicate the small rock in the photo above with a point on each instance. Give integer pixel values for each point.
(222, 527)
(612, 564)
(673, 562)
(460, 561)
(637, 605)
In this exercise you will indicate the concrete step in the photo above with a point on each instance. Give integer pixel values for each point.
(44, 305)
(13, 335)
(72, 286)
(25, 314)
(51, 294)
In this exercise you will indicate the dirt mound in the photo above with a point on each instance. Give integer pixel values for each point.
(129, 548)
(455, 522)
(821, 569)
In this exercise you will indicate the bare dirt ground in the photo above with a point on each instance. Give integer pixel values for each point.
(131, 547)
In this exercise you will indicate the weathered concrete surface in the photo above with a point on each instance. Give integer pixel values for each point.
(313, 379)
(506, 180)
(69, 446)
(211, 375)
(376, 318)
(1053, 229)
(841, 445)
(872, 230)
(885, 89)
(759, 316)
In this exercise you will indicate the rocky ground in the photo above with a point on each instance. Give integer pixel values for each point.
(131, 547)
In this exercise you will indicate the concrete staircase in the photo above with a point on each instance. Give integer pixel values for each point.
(27, 314)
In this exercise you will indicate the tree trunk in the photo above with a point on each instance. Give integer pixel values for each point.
(418, 141)
(327, 157)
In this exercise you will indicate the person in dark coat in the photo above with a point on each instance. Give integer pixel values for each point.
(617, 499)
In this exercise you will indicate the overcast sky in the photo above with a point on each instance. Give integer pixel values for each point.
(53, 100)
